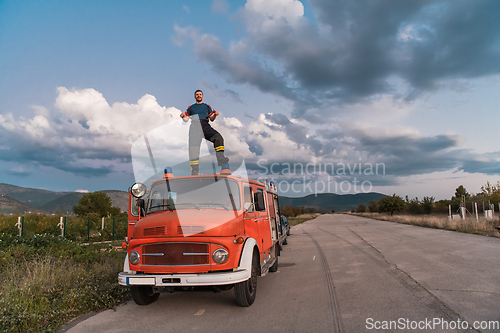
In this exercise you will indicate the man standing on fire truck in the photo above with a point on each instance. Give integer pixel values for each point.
(200, 113)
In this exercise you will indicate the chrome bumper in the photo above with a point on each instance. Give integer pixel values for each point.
(169, 280)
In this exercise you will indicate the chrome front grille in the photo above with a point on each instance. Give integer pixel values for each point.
(176, 254)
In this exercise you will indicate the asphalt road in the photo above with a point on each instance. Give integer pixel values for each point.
(342, 273)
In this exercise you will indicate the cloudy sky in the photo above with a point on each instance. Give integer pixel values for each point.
(408, 86)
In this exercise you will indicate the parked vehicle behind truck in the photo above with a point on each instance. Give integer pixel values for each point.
(219, 231)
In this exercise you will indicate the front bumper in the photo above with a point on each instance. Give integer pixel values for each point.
(169, 280)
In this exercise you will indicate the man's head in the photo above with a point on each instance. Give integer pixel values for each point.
(198, 96)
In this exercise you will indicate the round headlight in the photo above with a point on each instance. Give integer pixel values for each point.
(138, 190)
(134, 257)
(220, 256)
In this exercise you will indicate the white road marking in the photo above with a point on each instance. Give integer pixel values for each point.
(314, 257)
(199, 313)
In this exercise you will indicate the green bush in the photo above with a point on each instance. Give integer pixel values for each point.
(8, 224)
(290, 211)
(46, 280)
(361, 209)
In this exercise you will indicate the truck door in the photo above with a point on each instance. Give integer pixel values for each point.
(275, 231)
(274, 217)
(250, 216)
(277, 214)
(264, 227)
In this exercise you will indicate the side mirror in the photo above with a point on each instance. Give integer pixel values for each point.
(248, 207)
(142, 207)
(259, 201)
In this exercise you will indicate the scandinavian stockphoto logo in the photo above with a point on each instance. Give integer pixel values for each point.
(320, 177)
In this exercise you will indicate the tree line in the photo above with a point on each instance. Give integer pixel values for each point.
(98, 204)
(490, 194)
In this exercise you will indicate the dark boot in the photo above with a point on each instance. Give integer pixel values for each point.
(221, 159)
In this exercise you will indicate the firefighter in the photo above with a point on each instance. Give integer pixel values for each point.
(200, 114)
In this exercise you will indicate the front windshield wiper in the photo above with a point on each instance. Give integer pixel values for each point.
(169, 207)
(188, 203)
(215, 204)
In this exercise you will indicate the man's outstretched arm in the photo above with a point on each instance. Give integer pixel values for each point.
(213, 115)
(185, 116)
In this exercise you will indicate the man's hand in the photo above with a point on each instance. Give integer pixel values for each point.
(214, 115)
(184, 116)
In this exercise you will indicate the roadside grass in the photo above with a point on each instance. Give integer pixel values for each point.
(302, 218)
(485, 227)
(47, 280)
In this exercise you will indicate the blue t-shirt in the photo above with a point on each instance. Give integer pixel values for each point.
(199, 111)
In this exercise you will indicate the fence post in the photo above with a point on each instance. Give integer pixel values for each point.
(462, 212)
(113, 228)
(61, 225)
(20, 225)
(477, 217)
(88, 229)
(102, 227)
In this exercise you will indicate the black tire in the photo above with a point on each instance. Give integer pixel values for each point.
(274, 267)
(288, 232)
(143, 295)
(285, 242)
(245, 291)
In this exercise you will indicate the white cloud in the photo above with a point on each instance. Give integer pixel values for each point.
(86, 129)
(232, 122)
(36, 128)
(112, 127)
(290, 10)
(7, 122)
(275, 142)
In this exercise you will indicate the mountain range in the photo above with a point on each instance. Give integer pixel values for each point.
(327, 202)
(21, 199)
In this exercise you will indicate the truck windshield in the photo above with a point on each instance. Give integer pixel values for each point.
(195, 193)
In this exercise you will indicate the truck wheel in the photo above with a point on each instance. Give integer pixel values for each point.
(274, 267)
(245, 291)
(143, 295)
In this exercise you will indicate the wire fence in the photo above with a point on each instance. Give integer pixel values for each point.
(477, 209)
(79, 229)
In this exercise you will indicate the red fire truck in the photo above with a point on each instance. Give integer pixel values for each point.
(219, 231)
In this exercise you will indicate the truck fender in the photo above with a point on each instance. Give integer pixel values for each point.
(247, 254)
